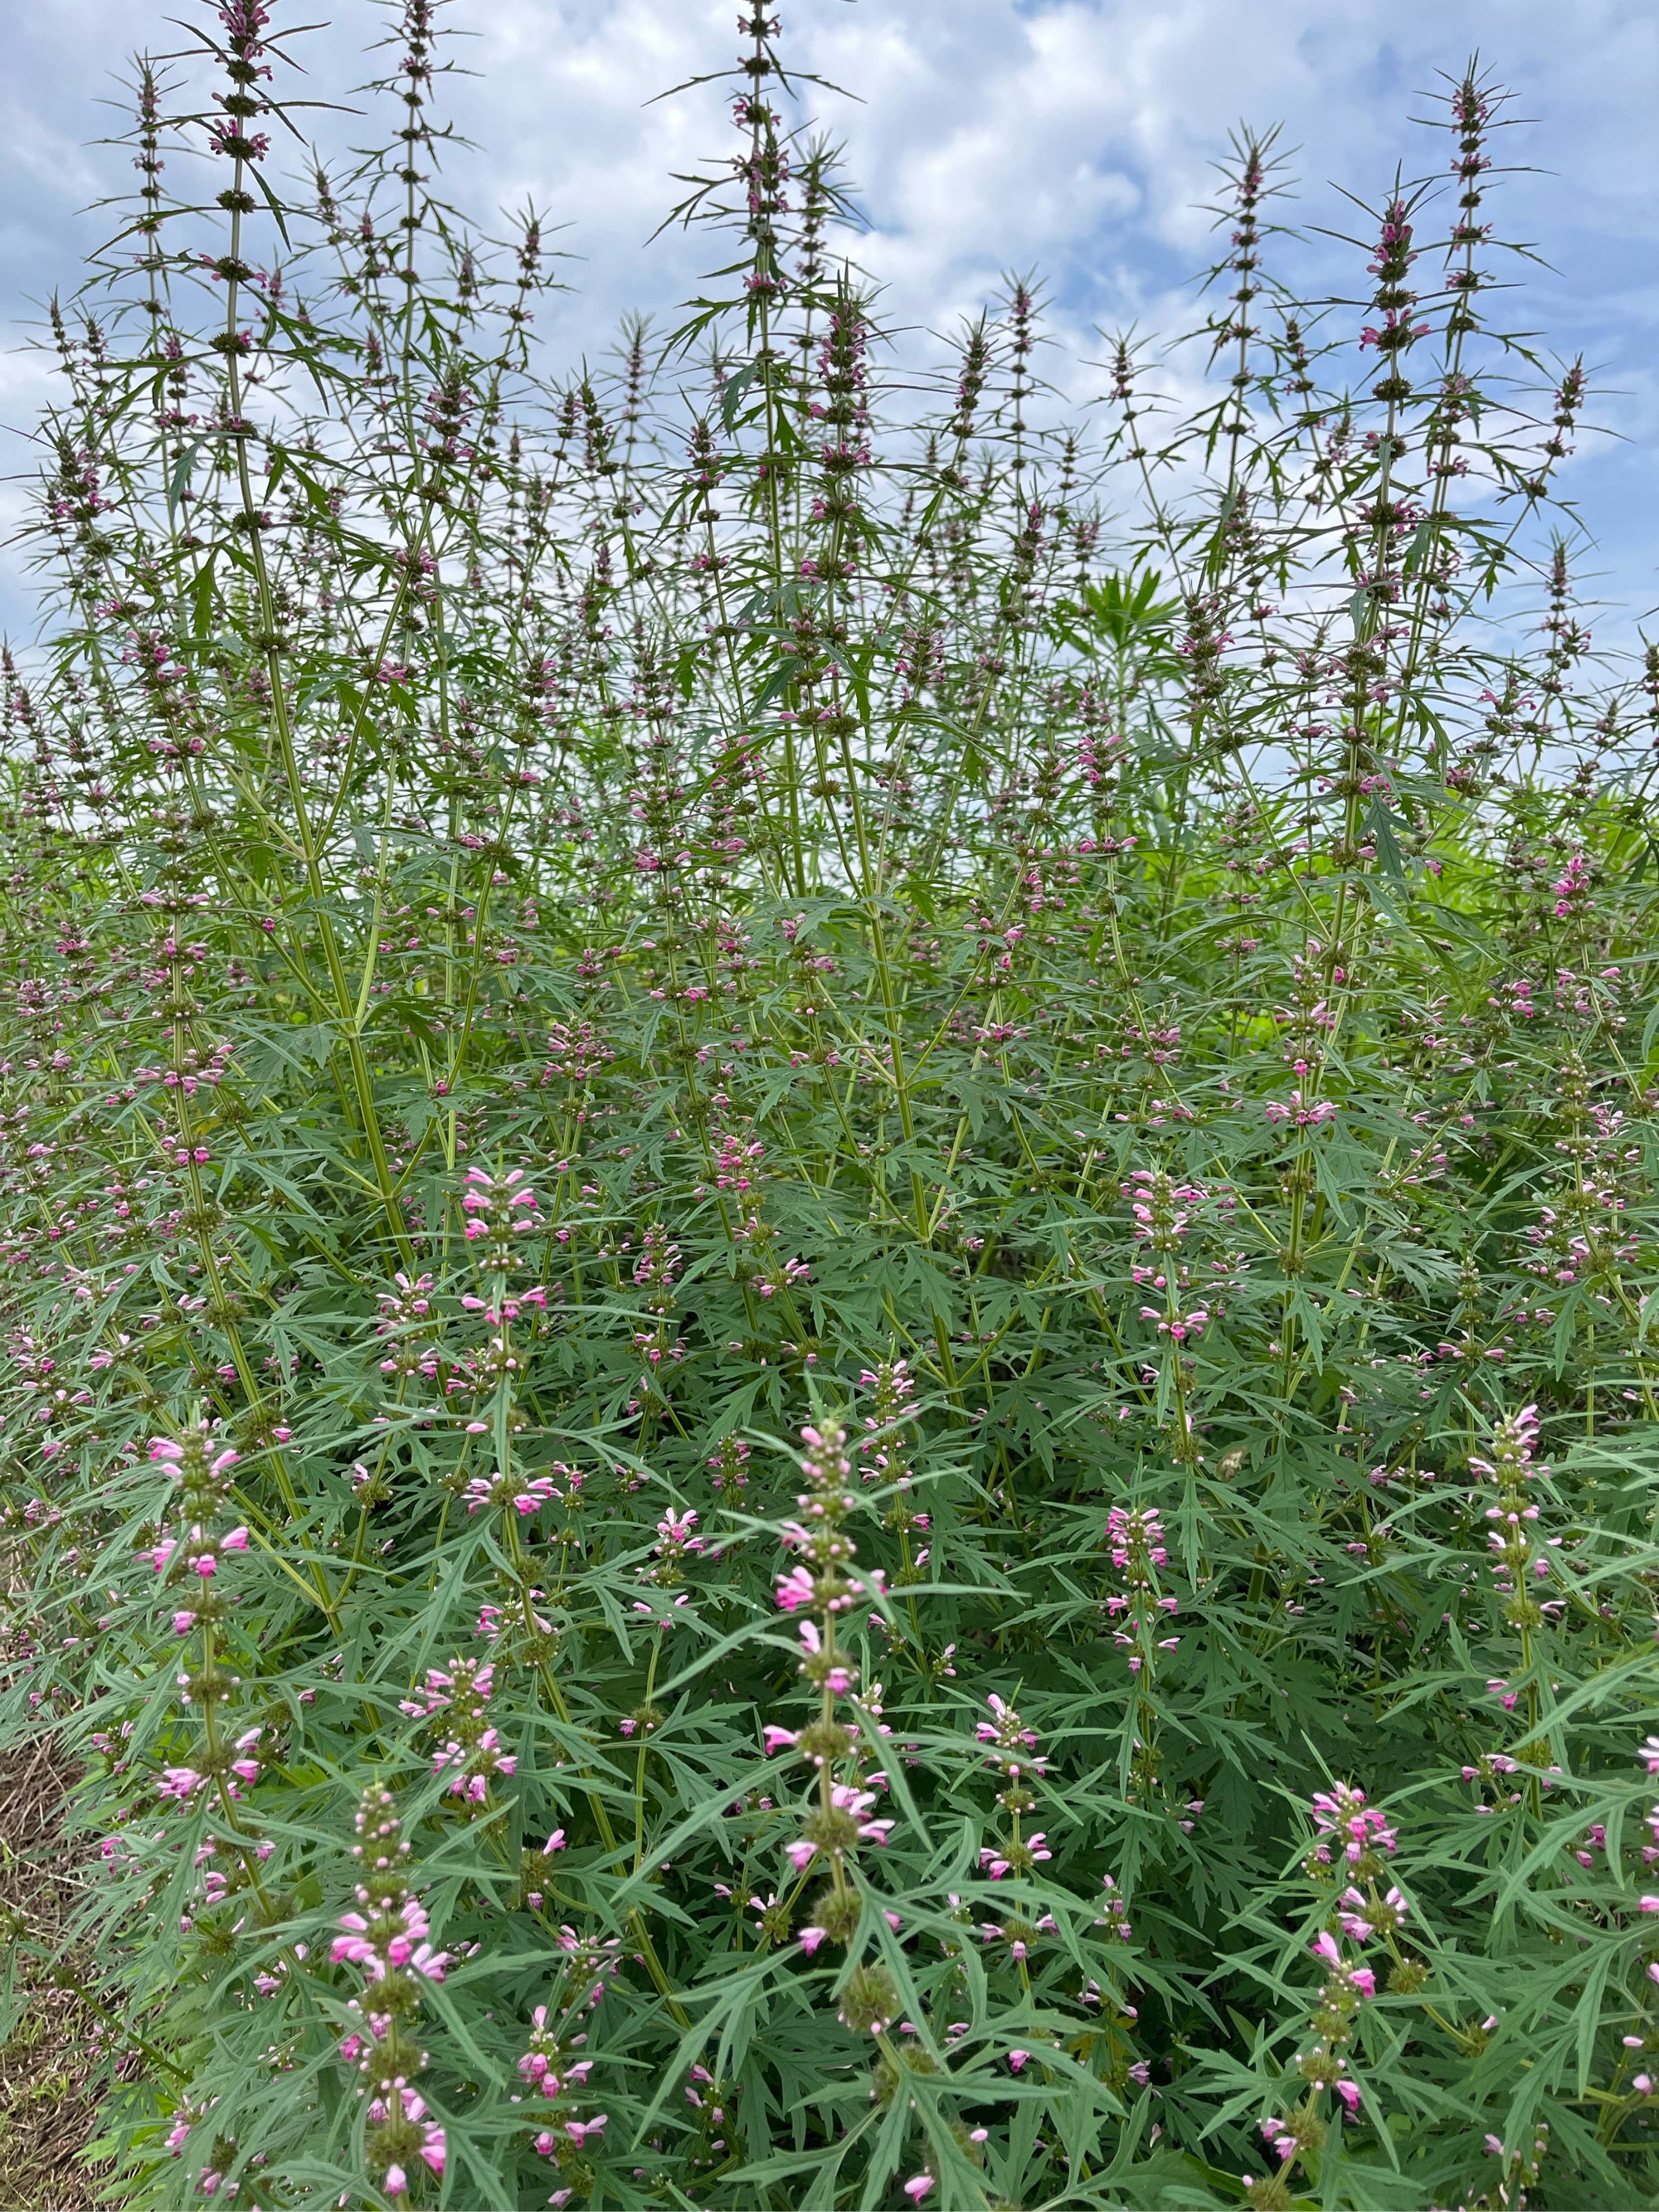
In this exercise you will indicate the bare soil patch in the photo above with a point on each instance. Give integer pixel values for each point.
(46, 2114)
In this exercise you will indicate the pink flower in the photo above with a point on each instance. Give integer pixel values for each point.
(846, 1799)
(918, 2187)
(1344, 1812)
(1357, 1926)
(796, 1590)
(393, 1940)
(164, 1448)
(1304, 1115)
(839, 1677)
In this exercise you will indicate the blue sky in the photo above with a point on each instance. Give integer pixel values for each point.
(1072, 138)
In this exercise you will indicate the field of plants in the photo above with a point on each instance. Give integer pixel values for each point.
(828, 1218)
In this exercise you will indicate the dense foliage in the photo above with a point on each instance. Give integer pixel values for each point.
(801, 1177)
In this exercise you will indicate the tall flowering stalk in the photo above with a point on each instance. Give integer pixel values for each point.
(191, 1562)
(553, 2071)
(1518, 1562)
(818, 1591)
(1009, 1748)
(387, 1936)
(1138, 1608)
(1162, 1208)
(1353, 1843)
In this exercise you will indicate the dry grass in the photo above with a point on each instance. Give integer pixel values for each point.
(46, 2112)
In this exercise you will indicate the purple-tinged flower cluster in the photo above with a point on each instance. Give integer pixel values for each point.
(1361, 1916)
(1517, 1560)
(821, 1587)
(387, 1935)
(469, 1752)
(191, 1558)
(1134, 1537)
(498, 1210)
(1345, 1820)
(550, 2069)
(523, 1494)
(677, 1540)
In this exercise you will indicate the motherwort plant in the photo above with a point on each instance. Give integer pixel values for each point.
(827, 1216)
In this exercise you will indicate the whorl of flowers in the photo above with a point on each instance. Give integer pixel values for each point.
(844, 412)
(1162, 1208)
(654, 1276)
(729, 1466)
(243, 23)
(658, 1266)
(401, 2131)
(1299, 1112)
(1344, 1819)
(408, 1304)
(522, 1494)
(1009, 1746)
(1346, 1986)
(677, 1540)
(470, 1751)
(894, 1387)
(882, 1449)
(1010, 1749)
(498, 1209)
